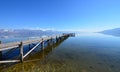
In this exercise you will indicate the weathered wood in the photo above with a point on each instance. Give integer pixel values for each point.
(9, 61)
(15, 44)
(0, 52)
(0, 42)
(21, 51)
(56, 38)
(42, 44)
(0, 55)
(31, 50)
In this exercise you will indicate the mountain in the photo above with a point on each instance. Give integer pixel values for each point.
(26, 33)
(114, 32)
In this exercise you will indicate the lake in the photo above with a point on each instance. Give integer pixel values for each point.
(87, 52)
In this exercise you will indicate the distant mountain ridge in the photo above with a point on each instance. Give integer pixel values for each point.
(26, 33)
(114, 32)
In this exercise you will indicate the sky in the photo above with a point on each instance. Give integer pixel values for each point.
(74, 15)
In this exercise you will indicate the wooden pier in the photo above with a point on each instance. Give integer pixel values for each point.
(41, 41)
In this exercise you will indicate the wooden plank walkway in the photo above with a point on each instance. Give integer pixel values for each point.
(20, 45)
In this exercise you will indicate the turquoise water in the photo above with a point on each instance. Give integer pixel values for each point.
(88, 52)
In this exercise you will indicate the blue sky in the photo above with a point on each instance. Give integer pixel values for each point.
(86, 15)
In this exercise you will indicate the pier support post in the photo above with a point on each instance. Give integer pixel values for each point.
(0, 42)
(51, 39)
(29, 47)
(29, 44)
(42, 44)
(21, 51)
(48, 42)
(0, 55)
(56, 39)
(0, 52)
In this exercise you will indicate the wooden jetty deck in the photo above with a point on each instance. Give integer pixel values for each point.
(12, 45)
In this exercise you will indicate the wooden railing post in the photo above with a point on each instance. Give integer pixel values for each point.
(56, 39)
(0, 42)
(29, 44)
(48, 42)
(51, 39)
(29, 47)
(0, 51)
(21, 51)
(42, 44)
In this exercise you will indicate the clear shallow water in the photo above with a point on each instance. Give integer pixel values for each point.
(83, 53)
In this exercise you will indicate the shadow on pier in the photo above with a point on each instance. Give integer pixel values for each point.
(38, 57)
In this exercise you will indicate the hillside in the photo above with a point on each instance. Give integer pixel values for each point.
(114, 32)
